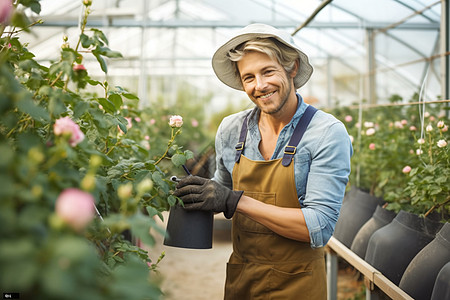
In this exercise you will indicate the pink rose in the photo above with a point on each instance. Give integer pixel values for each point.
(348, 118)
(372, 146)
(406, 169)
(79, 67)
(6, 10)
(194, 123)
(75, 207)
(412, 128)
(398, 124)
(370, 131)
(442, 143)
(176, 121)
(65, 126)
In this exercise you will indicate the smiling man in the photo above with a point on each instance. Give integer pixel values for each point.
(282, 169)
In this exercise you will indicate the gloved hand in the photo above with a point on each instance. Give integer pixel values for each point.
(200, 193)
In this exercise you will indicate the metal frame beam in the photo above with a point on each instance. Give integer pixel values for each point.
(112, 22)
(445, 48)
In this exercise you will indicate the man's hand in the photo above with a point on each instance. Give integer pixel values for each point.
(200, 193)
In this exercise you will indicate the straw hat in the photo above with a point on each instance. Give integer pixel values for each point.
(223, 66)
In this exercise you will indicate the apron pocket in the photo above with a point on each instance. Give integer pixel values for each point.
(246, 224)
(233, 287)
(290, 285)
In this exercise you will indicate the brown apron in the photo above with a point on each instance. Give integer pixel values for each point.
(265, 265)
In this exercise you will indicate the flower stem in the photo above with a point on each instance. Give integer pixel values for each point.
(437, 206)
(169, 144)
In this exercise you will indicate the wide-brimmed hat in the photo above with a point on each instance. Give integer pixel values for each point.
(225, 70)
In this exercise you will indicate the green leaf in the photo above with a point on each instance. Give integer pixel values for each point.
(116, 100)
(101, 61)
(158, 179)
(130, 96)
(122, 122)
(100, 35)
(140, 226)
(107, 105)
(178, 159)
(19, 19)
(86, 41)
(80, 108)
(105, 51)
(189, 154)
(56, 106)
(172, 200)
(92, 82)
(34, 5)
(37, 112)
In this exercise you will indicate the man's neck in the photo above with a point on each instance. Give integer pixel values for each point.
(275, 122)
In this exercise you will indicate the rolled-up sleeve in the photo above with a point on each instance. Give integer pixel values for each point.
(327, 179)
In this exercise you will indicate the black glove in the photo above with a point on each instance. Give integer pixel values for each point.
(200, 193)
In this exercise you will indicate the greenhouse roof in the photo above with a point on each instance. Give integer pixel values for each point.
(359, 49)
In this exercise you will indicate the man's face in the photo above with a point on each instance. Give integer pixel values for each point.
(265, 81)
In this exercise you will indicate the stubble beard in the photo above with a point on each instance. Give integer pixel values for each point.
(282, 103)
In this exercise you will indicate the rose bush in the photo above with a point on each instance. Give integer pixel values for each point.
(427, 187)
(391, 159)
(64, 147)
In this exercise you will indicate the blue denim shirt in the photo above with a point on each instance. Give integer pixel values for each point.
(321, 163)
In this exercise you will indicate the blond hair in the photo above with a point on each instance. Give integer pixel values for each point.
(286, 56)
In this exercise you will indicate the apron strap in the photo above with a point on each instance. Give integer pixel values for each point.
(291, 148)
(299, 130)
(240, 145)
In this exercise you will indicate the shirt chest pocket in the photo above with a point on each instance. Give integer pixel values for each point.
(302, 163)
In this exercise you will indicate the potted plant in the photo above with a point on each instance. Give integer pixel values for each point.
(425, 191)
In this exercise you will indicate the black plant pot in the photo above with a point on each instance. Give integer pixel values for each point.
(441, 288)
(380, 218)
(392, 247)
(189, 229)
(420, 275)
(357, 208)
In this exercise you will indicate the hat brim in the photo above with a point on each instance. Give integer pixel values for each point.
(225, 71)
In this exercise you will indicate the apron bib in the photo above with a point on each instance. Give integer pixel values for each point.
(265, 265)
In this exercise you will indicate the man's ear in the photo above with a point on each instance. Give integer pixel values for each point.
(295, 68)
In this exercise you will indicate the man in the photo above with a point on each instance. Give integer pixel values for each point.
(282, 169)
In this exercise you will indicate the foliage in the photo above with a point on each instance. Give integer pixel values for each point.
(385, 142)
(427, 187)
(41, 255)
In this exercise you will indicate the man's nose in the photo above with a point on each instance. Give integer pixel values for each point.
(261, 83)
